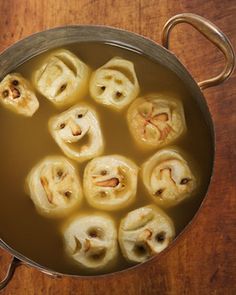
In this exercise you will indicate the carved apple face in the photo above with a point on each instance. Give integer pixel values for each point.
(145, 232)
(62, 78)
(155, 121)
(110, 182)
(54, 186)
(92, 241)
(114, 84)
(17, 95)
(168, 178)
(77, 132)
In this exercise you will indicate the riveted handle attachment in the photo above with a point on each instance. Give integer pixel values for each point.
(213, 34)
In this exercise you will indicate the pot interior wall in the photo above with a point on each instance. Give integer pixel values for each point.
(38, 43)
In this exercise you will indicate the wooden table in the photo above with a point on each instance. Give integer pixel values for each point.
(204, 260)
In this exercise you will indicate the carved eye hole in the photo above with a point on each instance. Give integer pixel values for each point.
(80, 116)
(63, 87)
(103, 172)
(95, 233)
(184, 181)
(160, 237)
(62, 125)
(5, 93)
(98, 256)
(101, 89)
(140, 250)
(59, 173)
(15, 82)
(67, 194)
(118, 95)
(159, 192)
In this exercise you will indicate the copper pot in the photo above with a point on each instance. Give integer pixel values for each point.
(40, 42)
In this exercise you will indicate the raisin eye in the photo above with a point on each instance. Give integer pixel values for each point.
(63, 125)
(103, 172)
(80, 116)
(103, 88)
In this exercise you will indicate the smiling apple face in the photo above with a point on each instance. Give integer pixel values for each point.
(77, 132)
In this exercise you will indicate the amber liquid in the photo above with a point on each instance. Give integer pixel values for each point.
(25, 141)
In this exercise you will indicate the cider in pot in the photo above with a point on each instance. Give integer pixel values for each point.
(123, 128)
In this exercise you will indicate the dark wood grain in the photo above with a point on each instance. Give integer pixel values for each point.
(204, 260)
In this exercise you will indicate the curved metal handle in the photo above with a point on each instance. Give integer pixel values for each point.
(10, 272)
(213, 34)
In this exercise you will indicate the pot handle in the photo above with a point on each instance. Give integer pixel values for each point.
(10, 272)
(213, 34)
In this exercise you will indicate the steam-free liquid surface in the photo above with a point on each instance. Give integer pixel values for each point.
(25, 141)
